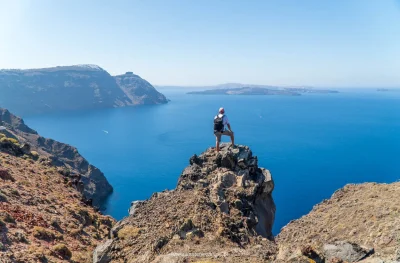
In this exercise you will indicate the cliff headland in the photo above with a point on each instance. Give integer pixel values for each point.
(77, 87)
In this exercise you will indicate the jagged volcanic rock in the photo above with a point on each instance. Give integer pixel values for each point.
(221, 208)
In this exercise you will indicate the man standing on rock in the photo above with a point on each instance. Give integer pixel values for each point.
(220, 121)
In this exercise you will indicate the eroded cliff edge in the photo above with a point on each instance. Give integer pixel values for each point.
(64, 156)
(221, 207)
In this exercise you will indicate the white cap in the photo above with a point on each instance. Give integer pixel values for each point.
(221, 110)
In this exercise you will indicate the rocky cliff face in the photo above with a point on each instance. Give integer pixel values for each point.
(66, 157)
(221, 208)
(138, 90)
(42, 216)
(71, 88)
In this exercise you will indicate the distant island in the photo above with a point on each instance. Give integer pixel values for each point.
(388, 90)
(77, 87)
(260, 90)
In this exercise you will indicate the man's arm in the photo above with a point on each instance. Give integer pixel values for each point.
(226, 122)
(229, 126)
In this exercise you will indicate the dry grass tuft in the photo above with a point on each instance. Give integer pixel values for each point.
(45, 234)
(129, 232)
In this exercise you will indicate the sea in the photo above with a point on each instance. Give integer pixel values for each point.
(313, 144)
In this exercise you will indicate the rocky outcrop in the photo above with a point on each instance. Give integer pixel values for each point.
(345, 251)
(66, 157)
(359, 223)
(133, 207)
(238, 182)
(100, 254)
(76, 87)
(221, 208)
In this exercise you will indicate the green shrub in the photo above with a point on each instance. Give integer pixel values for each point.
(65, 171)
(63, 251)
(7, 217)
(11, 140)
(34, 155)
(5, 175)
(55, 222)
(86, 218)
(14, 192)
(20, 237)
(3, 198)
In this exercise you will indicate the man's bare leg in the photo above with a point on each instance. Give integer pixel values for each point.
(217, 145)
(233, 139)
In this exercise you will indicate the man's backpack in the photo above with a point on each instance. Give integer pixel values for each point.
(219, 123)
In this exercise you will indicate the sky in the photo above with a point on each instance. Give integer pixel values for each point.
(341, 43)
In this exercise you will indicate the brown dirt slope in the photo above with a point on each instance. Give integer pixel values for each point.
(366, 214)
(42, 218)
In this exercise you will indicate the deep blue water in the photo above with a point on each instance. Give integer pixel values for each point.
(312, 144)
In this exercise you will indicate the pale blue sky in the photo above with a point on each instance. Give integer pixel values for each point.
(202, 42)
